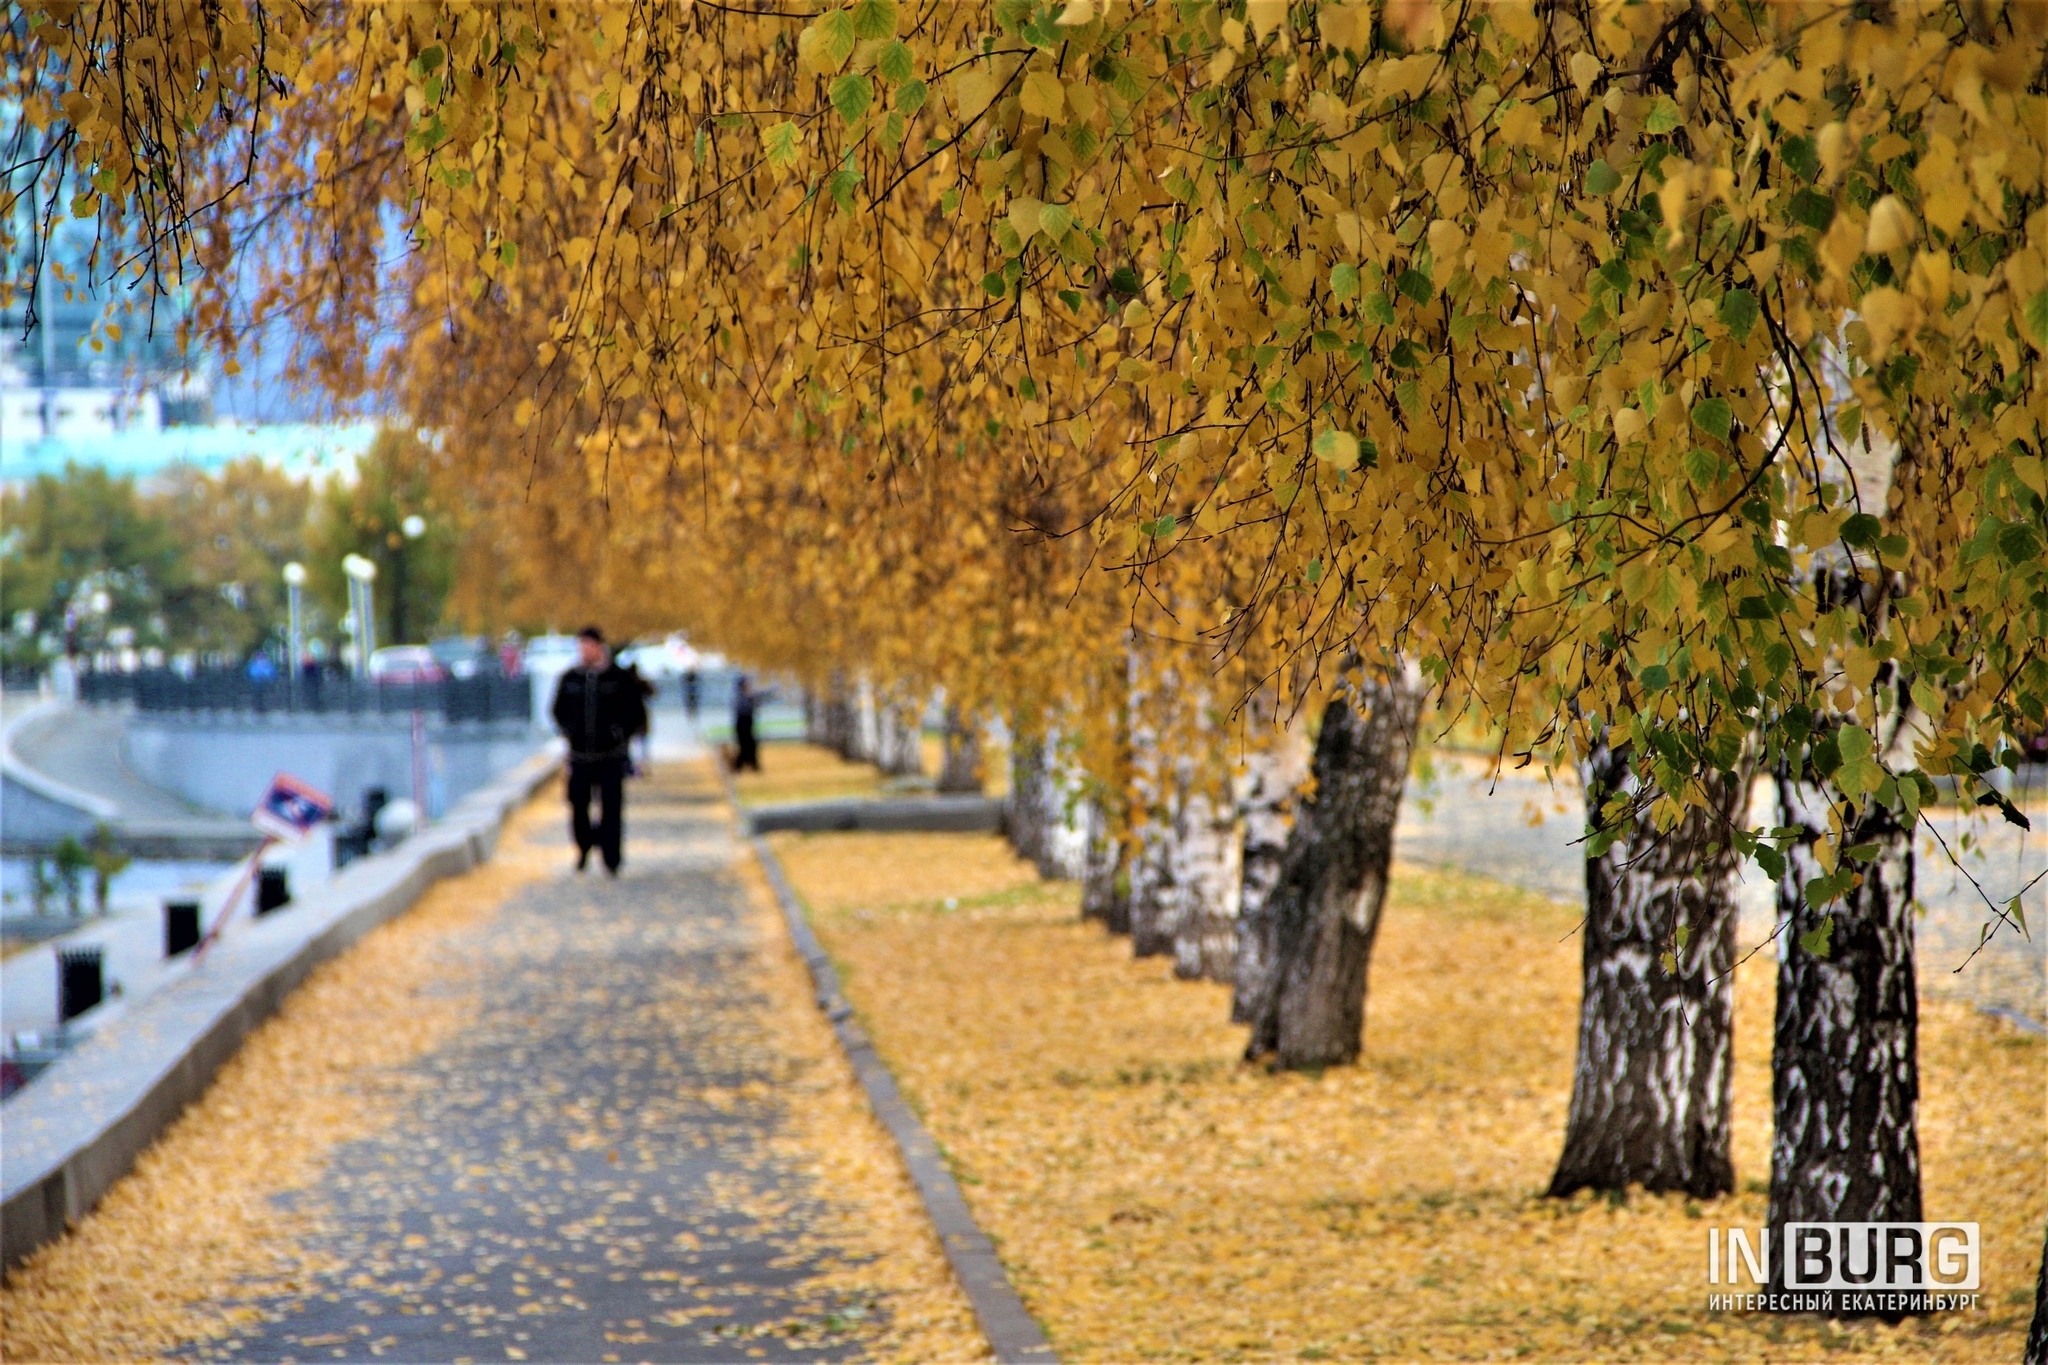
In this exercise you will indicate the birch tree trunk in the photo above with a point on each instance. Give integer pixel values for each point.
(1333, 880)
(866, 724)
(960, 772)
(901, 750)
(1845, 1068)
(838, 717)
(1208, 850)
(1650, 1090)
(1153, 898)
(1024, 813)
(1274, 770)
(1105, 876)
(2037, 1334)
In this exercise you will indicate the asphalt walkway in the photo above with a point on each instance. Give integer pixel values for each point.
(590, 1173)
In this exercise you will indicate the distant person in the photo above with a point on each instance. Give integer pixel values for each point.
(262, 670)
(511, 655)
(599, 707)
(746, 740)
(691, 684)
(645, 734)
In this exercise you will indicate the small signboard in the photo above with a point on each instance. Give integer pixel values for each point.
(291, 809)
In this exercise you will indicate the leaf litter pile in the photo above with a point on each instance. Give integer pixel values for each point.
(1155, 1199)
(538, 1117)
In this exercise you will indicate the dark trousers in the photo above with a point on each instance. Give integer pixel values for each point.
(748, 759)
(607, 778)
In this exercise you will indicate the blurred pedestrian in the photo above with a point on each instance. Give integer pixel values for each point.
(599, 707)
(690, 685)
(747, 743)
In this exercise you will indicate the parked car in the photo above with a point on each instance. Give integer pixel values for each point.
(405, 664)
(463, 656)
(661, 659)
(550, 653)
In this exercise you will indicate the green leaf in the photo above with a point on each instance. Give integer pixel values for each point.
(874, 18)
(1339, 448)
(1702, 466)
(1655, 678)
(2018, 545)
(836, 37)
(1054, 220)
(1602, 178)
(1415, 285)
(1738, 312)
(893, 63)
(1770, 860)
(840, 185)
(1803, 156)
(779, 145)
(1854, 743)
(2036, 314)
(1811, 208)
(1816, 941)
(1682, 935)
(1124, 282)
(1861, 531)
(508, 252)
(1713, 416)
(1377, 308)
(1314, 572)
(851, 95)
(911, 98)
(993, 284)
(1344, 282)
(1159, 529)
(1664, 116)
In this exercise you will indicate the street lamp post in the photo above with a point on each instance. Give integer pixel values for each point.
(413, 527)
(294, 583)
(362, 605)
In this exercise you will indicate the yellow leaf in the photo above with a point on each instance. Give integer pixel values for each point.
(1891, 226)
(1043, 96)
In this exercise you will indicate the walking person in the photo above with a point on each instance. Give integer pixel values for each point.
(745, 701)
(599, 707)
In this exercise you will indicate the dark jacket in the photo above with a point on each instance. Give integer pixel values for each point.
(599, 709)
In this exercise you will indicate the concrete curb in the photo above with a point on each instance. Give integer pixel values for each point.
(49, 788)
(1012, 1334)
(66, 1139)
(929, 814)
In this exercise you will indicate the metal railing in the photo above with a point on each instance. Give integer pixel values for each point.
(487, 698)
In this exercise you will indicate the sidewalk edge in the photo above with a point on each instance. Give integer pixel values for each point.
(1013, 1335)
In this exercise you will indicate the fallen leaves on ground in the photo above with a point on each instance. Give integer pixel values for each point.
(487, 1119)
(804, 772)
(180, 1248)
(1155, 1199)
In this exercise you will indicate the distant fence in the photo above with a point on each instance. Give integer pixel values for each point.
(487, 698)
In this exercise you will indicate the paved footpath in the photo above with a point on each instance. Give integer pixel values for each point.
(590, 1173)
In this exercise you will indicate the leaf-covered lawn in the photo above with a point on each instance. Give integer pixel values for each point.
(1155, 1199)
